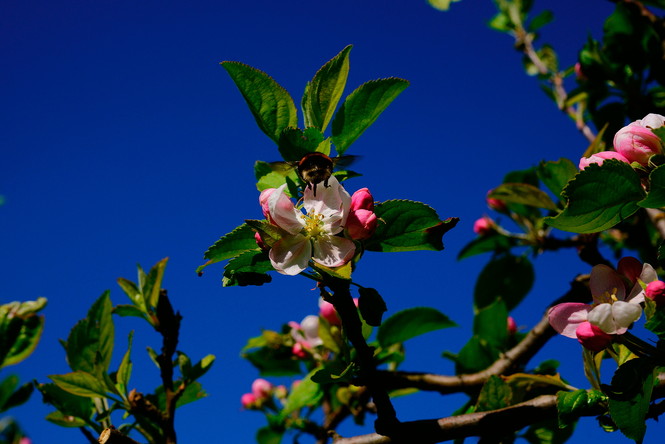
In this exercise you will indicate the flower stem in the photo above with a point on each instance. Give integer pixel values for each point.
(386, 423)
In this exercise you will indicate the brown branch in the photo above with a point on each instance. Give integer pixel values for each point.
(518, 355)
(492, 423)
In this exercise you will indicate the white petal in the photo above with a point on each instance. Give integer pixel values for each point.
(601, 317)
(625, 313)
(283, 212)
(290, 255)
(333, 251)
(605, 280)
(310, 326)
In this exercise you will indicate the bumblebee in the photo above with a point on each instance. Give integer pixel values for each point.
(314, 168)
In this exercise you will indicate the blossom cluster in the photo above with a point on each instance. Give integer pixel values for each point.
(325, 233)
(635, 142)
(617, 298)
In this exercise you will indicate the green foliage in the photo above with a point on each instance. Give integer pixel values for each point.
(523, 193)
(505, 277)
(656, 195)
(572, 405)
(555, 175)
(295, 143)
(441, 5)
(270, 104)
(306, 394)
(20, 330)
(361, 108)
(406, 225)
(494, 242)
(248, 268)
(371, 306)
(629, 397)
(324, 91)
(495, 394)
(410, 323)
(599, 197)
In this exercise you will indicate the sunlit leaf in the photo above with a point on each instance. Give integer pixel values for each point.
(324, 91)
(306, 394)
(599, 197)
(249, 268)
(406, 225)
(80, 383)
(361, 108)
(522, 193)
(270, 104)
(238, 241)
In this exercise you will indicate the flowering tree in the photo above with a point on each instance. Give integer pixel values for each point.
(347, 357)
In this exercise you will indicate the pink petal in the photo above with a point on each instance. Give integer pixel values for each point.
(565, 318)
(290, 255)
(283, 212)
(333, 251)
(605, 280)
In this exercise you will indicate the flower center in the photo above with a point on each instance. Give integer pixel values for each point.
(609, 297)
(314, 225)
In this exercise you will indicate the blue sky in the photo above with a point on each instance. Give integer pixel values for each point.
(124, 142)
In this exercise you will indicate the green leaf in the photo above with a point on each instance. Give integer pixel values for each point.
(20, 330)
(201, 368)
(335, 372)
(406, 225)
(410, 323)
(548, 432)
(274, 175)
(90, 343)
(153, 283)
(295, 143)
(656, 196)
(7, 387)
(80, 383)
(193, 392)
(491, 324)
(65, 402)
(125, 368)
(494, 242)
(249, 268)
(268, 435)
(63, 420)
(236, 242)
(324, 91)
(271, 105)
(273, 361)
(655, 319)
(523, 193)
(507, 277)
(371, 306)
(540, 20)
(17, 397)
(555, 175)
(629, 397)
(572, 405)
(126, 310)
(441, 5)
(494, 395)
(306, 394)
(133, 292)
(599, 197)
(476, 355)
(361, 108)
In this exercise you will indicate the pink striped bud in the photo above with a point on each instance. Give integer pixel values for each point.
(483, 226)
(261, 388)
(362, 200)
(512, 326)
(656, 292)
(248, 400)
(592, 337)
(599, 158)
(637, 143)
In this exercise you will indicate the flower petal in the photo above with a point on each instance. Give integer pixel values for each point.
(333, 202)
(605, 280)
(290, 255)
(601, 316)
(283, 213)
(624, 314)
(565, 318)
(333, 251)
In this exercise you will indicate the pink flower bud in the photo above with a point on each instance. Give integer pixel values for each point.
(327, 311)
(361, 224)
(592, 337)
(578, 72)
(656, 292)
(25, 440)
(495, 204)
(263, 200)
(599, 158)
(637, 143)
(299, 350)
(261, 388)
(362, 200)
(483, 226)
(248, 400)
(259, 241)
(512, 326)
(630, 267)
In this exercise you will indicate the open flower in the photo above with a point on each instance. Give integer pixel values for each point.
(616, 305)
(311, 235)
